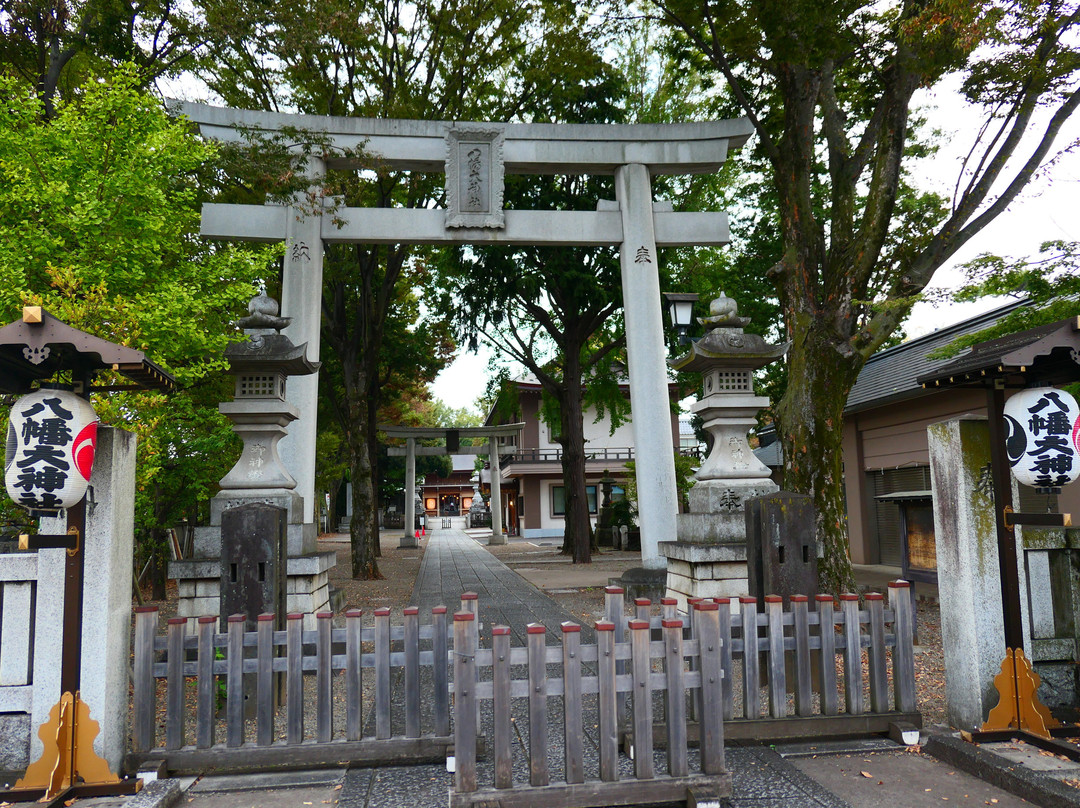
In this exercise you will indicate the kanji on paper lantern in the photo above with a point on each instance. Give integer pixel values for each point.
(1042, 437)
(52, 436)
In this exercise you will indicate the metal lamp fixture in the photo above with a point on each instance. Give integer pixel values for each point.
(681, 310)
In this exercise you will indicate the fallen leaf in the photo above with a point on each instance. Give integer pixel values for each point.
(866, 774)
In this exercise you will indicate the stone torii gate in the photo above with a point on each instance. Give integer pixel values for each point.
(452, 445)
(475, 158)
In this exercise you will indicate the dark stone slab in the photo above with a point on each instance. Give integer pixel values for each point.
(253, 559)
(781, 549)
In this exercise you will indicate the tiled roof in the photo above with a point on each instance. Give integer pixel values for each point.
(890, 375)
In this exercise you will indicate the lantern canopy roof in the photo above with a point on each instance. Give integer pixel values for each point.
(1048, 354)
(725, 344)
(39, 345)
(266, 349)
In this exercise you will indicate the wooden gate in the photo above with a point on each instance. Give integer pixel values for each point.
(203, 676)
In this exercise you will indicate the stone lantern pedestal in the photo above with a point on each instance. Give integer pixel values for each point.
(260, 416)
(708, 559)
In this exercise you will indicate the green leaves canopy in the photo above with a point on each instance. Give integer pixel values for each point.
(98, 223)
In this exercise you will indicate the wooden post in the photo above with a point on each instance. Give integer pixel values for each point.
(382, 673)
(412, 671)
(324, 715)
(827, 632)
(694, 663)
(354, 682)
(144, 692)
(879, 681)
(669, 609)
(294, 678)
(642, 609)
(615, 613)
(440, 671)
(712, 722)
(903, 653)
(264, 708)
(470, 602)
(572, 728)
(175, 709)
(502, 730)
(234, 682)
(774, 605)
(205, 708)
(464, 703)
(609, 719)
(751, 674)
(641, 667)
(538, 767)
(804, 696)
(853, 695)
(675, 713)
(723, 612)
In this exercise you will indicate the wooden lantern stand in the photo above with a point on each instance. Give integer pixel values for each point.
(68, 767)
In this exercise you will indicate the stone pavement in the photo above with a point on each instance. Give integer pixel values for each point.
(875, 773)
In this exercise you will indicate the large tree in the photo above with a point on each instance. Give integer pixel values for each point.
(55, 44)
(828, 88)
(98, 216)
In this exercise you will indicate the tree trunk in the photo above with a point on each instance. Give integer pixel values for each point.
(577, 538)
(364, 532)
(821, 371)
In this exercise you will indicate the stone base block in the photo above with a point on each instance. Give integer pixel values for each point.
(716, 497)
(14, 741)
(1059, 684)
(300, 539)
(705, 571)
(307, 586)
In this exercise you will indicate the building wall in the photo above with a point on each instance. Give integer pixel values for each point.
(894, 437)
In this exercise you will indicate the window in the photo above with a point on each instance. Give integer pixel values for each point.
(558, 499)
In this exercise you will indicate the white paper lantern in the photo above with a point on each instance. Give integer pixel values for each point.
(1042, 437)
(52, 436)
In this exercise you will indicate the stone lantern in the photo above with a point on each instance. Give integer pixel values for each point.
(256, 549)
(259, 411)
(709, 557)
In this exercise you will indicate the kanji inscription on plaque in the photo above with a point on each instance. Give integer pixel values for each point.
(474, 177)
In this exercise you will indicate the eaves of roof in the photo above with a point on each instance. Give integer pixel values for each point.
(891, 375)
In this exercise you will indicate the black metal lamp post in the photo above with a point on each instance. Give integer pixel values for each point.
(681, 310)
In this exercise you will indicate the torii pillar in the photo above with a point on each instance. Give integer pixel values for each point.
(301, 300)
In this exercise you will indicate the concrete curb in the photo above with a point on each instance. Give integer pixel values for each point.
(1037, 787)
(157, 794)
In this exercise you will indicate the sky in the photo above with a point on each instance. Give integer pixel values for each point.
(1045, 211)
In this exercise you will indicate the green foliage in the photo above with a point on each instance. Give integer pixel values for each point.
(55, 45)
(1051, 284)
(625, 510)
(98, 216)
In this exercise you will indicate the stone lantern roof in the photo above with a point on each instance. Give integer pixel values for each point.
(725, 344)
(267, 350)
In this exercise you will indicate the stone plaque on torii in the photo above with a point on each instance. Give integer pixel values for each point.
(475, 157)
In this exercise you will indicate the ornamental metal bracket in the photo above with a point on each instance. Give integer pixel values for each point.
(1012, 519)
(41, 541)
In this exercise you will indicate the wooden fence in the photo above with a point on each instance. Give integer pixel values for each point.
(837, 663)
(261, 657)
(641, 656)
(791, 688)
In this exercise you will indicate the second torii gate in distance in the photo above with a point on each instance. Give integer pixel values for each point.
(452, 445)
(475, 157)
